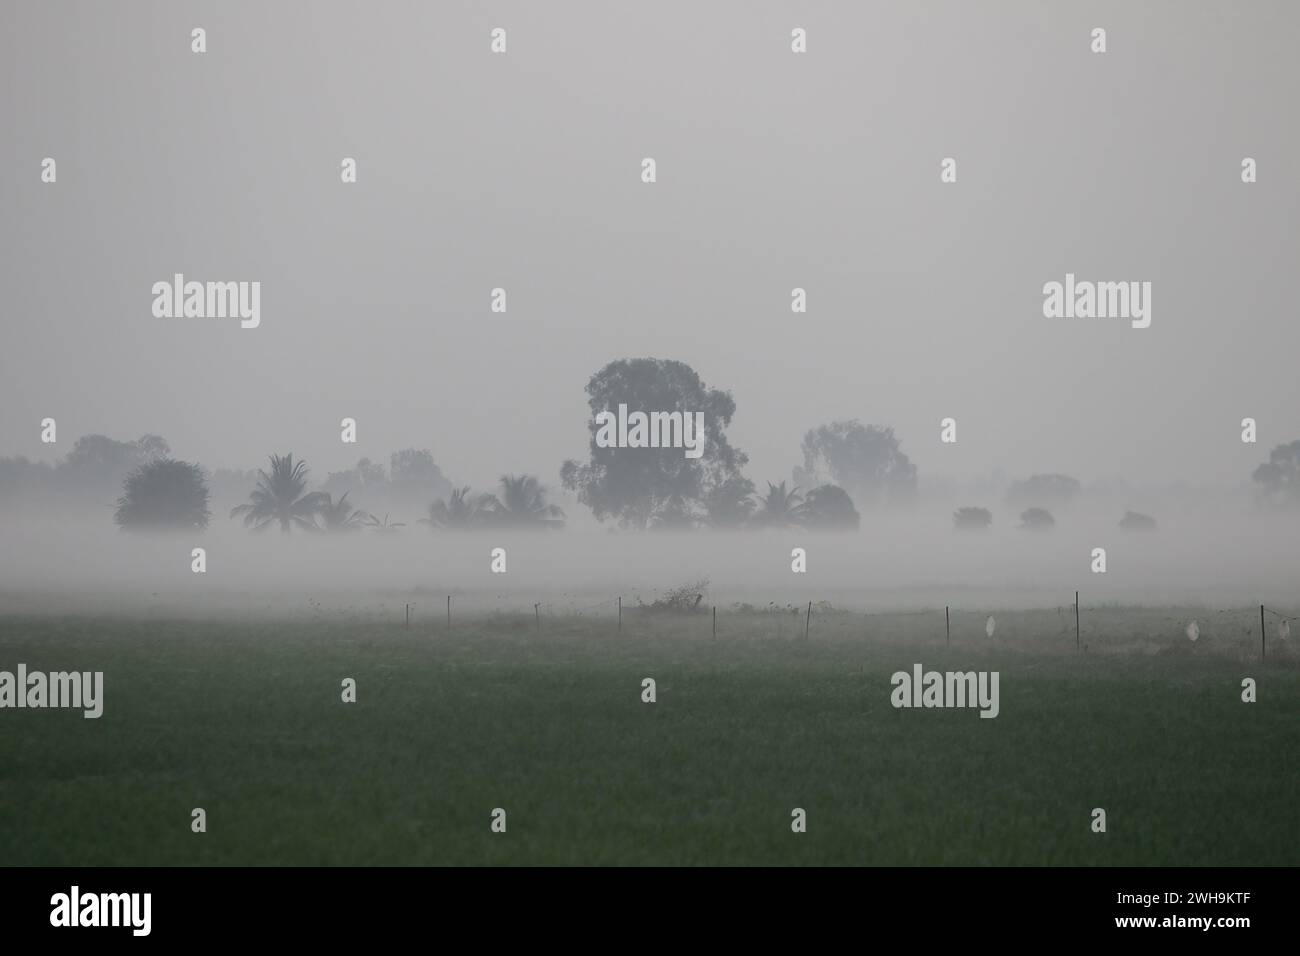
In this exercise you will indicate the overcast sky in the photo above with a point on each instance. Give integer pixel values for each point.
(775, 170)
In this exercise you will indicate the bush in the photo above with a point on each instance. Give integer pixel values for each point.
(1037, 519)
(164, 495)
(972, 519)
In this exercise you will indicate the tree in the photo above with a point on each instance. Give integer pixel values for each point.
(413, 476)
(1043, 491)
(339, 515)
(1037, 519)
(867, 460)
(676, 515)
(972, 519)
(632, 485)
(459, 511)
(20, 477)
(729, 503)
(97, 464)
(367, 481)
(1279, 477)
(1136, 521)
(164, 495)
(280, 497)
(779, 508)
(829, 508)
(521, 503)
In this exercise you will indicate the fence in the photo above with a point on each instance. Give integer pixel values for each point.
(1103, 625)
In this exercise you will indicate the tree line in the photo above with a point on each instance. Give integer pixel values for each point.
(845, 463)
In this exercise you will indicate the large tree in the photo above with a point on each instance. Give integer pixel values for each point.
(865, 460)
(97, 464)
(281, 497)
(634, 485)
(1279, 477)
(164, 495)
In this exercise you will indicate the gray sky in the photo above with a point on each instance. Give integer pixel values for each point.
(775, 170)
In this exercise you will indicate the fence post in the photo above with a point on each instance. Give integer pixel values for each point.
(537, 612)
(1262, 632)
(408, 617)
(715, 620)
(807, 622)
(947, 625)
(620, 615)
(1076, 620)
(449, 612)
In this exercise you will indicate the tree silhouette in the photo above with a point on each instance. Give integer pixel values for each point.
(413, 476)
(1037, 519)
(1279, 477)
(97, 464)
(164, 495)
(779, 508)
(675, 515)
(1136, 521)
(367, 481)
(829, 508)
(339, 515)
(634, 485)
(867, 460)
(1043, 491)
(279, 497)
(459, 511)
(729, 503)
(521, 503)
(972, 519)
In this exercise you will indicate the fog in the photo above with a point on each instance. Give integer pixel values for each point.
(776, 171)
(1231, 557)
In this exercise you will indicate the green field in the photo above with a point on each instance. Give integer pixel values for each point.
(244, 719)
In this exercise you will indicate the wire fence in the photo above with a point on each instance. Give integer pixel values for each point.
(1103, 628)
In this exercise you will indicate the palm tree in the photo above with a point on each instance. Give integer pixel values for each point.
(339, 515)
(459, 511)
(385, 526)
(779, 508)
(279, 497)
(522, 504)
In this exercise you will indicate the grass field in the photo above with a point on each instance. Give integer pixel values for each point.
(244, 719)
